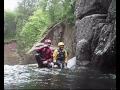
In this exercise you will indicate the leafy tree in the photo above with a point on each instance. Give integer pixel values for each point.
(9, 24)
(24, 10)
(60, 10)
(33, 29)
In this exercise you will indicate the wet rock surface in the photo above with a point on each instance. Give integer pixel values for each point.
(10, 54)
(85, 7)
(82, 52)
(99, 29)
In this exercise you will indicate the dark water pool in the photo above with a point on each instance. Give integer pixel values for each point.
(31, 77)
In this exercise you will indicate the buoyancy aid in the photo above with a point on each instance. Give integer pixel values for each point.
(61, 55)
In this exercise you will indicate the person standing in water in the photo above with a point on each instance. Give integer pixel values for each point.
(60, 56)
(44, 55)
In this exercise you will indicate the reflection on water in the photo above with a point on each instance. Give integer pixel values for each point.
(31, 77)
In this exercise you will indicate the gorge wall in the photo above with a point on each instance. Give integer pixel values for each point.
(96, 23)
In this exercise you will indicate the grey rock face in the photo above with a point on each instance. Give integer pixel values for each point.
(105, 52)
(112, 10)
(84, 27)
(88, 7)
(84, 34)
(82, 52)
(71, 63)
(98, 27)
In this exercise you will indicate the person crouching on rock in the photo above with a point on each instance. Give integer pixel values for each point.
(44, 55)
(60, 56)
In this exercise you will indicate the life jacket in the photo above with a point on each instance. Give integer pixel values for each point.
(61, 55)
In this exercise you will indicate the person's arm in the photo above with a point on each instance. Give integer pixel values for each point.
(34, 48)
(55, 55)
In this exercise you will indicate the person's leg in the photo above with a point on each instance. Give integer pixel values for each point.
(57, 63)
(65, 65)
(44, 65)
(60, 64)
(37, 56)
(49, 65)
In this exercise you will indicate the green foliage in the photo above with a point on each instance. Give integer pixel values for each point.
(24, 10)
(9, 24)
(33, 29)
(60, 10)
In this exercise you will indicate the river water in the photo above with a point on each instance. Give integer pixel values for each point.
(31, 77)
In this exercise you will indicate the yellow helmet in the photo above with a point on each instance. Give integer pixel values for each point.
(60, 44)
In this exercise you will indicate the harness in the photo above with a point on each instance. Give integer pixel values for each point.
(61, 55)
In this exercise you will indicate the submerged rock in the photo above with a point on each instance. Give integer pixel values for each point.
(71, 63)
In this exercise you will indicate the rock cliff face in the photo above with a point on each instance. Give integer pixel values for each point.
(96, 23)
(88, 7)
(11, 57)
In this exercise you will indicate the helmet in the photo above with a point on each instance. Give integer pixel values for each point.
(47, 41)
(60, 44)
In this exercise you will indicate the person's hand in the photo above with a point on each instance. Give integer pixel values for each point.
(45, 45)
(55, 66)
(66, 62)
(54, 61)
(45, 62)
(49, 60)
(52, 64)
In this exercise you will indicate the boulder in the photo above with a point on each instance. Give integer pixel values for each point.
(71, 63)
(82, 52)
(98, 28)
(84, 27)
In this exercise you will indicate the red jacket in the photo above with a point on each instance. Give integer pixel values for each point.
(46, 53)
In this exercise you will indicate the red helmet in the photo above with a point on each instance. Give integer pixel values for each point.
(47, 41)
